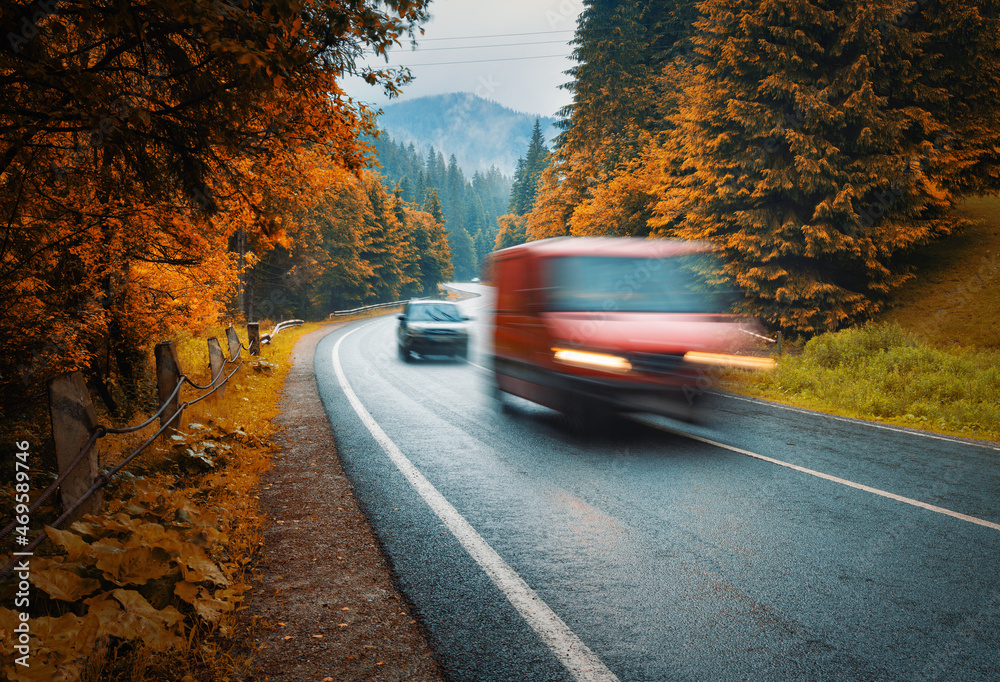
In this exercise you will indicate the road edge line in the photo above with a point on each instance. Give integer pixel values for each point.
(828, 477)
(582, 663)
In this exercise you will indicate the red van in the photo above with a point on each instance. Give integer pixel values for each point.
(597, 325)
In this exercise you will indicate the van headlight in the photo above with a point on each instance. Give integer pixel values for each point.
(726, 360)
(590, 360)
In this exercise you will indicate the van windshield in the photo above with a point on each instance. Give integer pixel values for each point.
(682, 284)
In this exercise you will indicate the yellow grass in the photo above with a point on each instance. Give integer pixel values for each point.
(222, 650)
(955, 298)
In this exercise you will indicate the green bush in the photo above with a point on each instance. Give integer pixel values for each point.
(884, 372)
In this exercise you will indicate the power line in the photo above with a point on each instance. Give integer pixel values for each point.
(479, 47)
(500, 35)
(481, 61)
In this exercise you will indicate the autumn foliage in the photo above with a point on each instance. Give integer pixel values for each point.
(817, 143)
(153, 154)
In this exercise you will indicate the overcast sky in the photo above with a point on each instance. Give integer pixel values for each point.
(523, 71)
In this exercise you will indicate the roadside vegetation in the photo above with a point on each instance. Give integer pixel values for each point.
(886, 373)
(931, 361)
(154, 587)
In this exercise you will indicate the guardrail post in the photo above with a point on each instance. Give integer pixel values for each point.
(253, 337)
(168, 373)
(233, 341)
(217, 363)
(73, 421)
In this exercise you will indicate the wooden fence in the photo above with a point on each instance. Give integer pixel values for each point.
(75, 429)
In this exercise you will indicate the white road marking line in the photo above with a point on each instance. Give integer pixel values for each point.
(828, 477)
(861, 422)
(577, 658)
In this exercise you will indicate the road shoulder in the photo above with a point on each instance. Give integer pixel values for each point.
(327, 602)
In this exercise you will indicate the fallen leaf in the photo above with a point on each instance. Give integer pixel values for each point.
(288, 636)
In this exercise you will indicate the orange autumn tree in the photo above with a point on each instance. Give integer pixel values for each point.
(128, 133)
(813, 147)
(348, 242)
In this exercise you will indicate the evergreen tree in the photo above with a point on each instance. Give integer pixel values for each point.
(528, 173)
(606, 128)
(432, 205)
(801, 149)
(961, 60)
(483, 242)
(434, 254)
(463, 254)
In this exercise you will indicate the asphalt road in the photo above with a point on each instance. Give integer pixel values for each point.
(762, 543)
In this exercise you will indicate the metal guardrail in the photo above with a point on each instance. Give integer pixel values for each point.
(281, 326)
(375, 306)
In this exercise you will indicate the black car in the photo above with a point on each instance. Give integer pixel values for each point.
(432, 328)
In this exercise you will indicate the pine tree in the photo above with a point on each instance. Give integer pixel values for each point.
(800, 149)
(463, 253)
(962, 60)
(432, 244)
(618, 106)
(529, 173)
(432, 205)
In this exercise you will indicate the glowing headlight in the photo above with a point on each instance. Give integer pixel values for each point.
(724, 360)
(601, 361)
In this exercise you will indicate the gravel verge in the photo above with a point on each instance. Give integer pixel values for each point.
(328, 606)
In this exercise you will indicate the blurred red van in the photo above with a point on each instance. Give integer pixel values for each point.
(593, 325)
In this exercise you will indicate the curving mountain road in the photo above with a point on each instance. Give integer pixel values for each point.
(762, 543)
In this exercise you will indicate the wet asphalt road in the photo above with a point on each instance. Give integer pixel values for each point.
(668, 557)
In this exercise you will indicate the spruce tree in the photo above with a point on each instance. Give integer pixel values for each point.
(800, 149)
(962, 61)
(529, 173)
(435, 258)
(621, 49)
(463, 253)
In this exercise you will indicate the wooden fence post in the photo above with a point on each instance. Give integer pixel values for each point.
(253, 334)
(217, 363)
(168, 373)
(234, 342)
(73, 421)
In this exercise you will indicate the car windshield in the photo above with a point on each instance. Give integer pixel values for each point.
(434, 313)
(691, 283)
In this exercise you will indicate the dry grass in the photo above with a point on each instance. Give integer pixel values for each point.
(221, 650)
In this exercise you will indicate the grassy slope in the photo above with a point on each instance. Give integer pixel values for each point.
(955, 299)
(931, 360)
